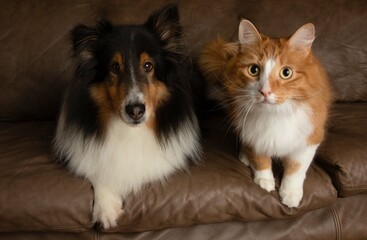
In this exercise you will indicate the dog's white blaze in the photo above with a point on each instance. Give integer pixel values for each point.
(132, 70)
(133, 78)
(135, 96)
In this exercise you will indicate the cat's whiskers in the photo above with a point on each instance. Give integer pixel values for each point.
(227, 103)
(220, 90)
(304, 96)
(224, 87)
(250, 105)
(238, 110)
(309, 95)
(228, 125)
(229, 83)
(244, 108)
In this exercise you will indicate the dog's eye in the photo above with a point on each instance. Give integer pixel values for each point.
(148, 67)
(115, 67)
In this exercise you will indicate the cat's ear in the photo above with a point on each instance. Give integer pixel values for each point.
(303, 38)
(248, 34)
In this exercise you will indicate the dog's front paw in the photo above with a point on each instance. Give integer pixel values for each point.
(243, 158)
(265, 183)
(107, 210)
(291, 197)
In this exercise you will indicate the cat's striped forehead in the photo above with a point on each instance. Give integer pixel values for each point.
(269, 48)
(272, 48)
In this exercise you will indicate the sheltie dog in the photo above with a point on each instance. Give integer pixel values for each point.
(129, 116)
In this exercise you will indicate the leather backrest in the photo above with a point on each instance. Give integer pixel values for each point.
(35, 66)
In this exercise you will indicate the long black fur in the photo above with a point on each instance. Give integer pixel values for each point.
(161, 37)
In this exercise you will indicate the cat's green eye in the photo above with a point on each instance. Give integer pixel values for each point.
(286, 73)
(253, 70)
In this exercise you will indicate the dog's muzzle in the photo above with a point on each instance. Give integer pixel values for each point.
(135, 111)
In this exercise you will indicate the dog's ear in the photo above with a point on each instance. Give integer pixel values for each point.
(85, 39)
(165, 25)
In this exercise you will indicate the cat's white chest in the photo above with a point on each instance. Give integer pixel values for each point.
(276, 130)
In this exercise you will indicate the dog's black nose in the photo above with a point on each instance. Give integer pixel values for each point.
(135, 111)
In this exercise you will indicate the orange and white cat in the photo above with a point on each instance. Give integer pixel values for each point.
(277, 94)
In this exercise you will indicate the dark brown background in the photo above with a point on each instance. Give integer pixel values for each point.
(34, 41)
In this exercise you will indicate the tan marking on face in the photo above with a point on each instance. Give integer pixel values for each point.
(144, 57)
(113, 75)
(155, 91)
(117, 58)
(108, 98)
(291, 167)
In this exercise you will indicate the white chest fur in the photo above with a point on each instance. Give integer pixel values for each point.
(132, 156)
(276, 130)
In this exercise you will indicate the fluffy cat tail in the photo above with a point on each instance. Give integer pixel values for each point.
(214, 58)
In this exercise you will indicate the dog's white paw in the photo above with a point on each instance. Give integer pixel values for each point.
(107, 210)
(243, 158)
(265, 183)
(291, 197)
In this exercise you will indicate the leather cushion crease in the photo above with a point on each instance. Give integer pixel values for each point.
(219, 189)
(326, 223)
(343, 154)
(35, 193)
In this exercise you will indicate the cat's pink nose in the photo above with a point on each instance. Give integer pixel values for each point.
(264, 92)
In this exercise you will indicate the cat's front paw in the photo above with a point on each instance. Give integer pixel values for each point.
(265, 179)
(291, 197)
(265, 183)
(106, 211)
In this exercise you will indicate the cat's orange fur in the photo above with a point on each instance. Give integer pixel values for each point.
(225, 65)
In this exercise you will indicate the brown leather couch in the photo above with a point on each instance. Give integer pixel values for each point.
(216, 199)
